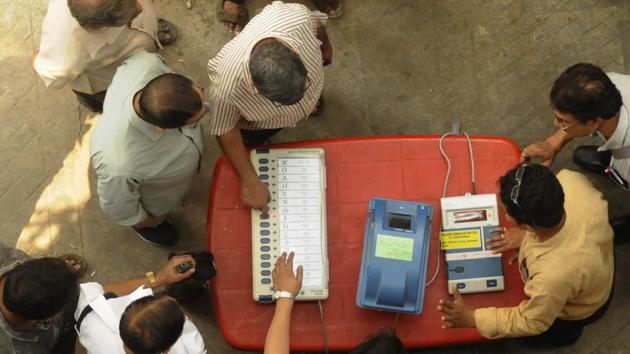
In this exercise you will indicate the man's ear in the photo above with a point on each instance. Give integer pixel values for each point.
(596, 123)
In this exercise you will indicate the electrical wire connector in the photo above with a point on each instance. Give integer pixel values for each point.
(457, 127)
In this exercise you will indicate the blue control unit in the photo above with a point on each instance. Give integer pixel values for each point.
(395, 255)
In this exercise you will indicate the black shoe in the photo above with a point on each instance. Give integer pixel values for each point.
(587, 157)
(621, 227)
(164, 234)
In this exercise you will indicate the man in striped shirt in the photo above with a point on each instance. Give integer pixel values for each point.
(268, 77)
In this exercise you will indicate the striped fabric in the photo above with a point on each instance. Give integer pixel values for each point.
(235, 100)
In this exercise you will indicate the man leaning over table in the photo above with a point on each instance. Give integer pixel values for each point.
(587, 101)
(565, 258)
(267, 78)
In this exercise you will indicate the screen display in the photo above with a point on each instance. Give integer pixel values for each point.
(394, 247)
(399, 221)
(463, 216)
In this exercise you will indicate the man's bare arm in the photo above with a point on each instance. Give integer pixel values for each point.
(166, 276)
(547, 150)
(327, 51)
(254, 193)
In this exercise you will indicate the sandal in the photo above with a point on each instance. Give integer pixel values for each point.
(72, 261)
(239, 20)
(167, 34)
(334, 14)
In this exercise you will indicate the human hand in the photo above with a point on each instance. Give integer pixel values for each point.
(255, 194)
(543, 151)
(456, 314)
(327, 53)
(283, 277)
(169, 274)
(508, 239)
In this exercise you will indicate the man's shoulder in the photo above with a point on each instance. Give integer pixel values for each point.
(621, 81)
(570, 180)
(279, 17)
(142, 66)
(9, 257)
(581, 196)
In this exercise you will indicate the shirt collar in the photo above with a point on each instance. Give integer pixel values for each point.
(94, 40)
(616, 140)
(287, 40)
(146, 128)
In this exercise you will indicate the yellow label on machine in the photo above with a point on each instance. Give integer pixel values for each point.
(456, 239)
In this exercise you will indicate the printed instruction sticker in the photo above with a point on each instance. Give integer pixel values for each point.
(452, 240)
(394, 247)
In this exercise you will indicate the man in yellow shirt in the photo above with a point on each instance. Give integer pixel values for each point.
(565, 258)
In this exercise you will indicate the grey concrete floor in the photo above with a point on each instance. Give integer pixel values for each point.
(400, 67)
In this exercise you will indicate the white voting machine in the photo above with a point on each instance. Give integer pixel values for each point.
(296, 221)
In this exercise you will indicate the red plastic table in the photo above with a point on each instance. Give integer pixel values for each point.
(401, 167)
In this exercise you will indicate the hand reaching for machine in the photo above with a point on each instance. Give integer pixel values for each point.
(456, 314)
(508, 239)
(542, 151)
(255, 194)
(283, 277)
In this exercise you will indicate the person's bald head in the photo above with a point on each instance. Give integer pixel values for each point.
(171, 101)
(94, 14)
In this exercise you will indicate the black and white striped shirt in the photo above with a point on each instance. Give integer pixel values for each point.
(235, 100)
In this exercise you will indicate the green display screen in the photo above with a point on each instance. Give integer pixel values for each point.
(394, 247)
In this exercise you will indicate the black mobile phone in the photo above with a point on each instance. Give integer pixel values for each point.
(183, 267)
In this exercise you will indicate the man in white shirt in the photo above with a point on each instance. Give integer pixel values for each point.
(587, 101)
(126, 317)
(84, 41)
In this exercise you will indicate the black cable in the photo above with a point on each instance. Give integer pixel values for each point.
(324, 333)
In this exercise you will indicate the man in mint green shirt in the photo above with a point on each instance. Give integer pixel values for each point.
(146, 147)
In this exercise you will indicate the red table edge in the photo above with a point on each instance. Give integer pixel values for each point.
(221, 161)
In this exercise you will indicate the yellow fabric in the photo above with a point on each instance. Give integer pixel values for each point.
(568, 276)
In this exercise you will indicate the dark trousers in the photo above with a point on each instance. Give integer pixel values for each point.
(257, 137)
(94, 102)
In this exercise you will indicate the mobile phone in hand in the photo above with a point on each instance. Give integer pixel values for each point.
(183, 267)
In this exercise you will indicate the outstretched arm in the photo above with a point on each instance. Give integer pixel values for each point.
(547, 150)
(277, 340)
(254, 193)
(168, 275)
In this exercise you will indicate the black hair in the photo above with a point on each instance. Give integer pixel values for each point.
(169, 101)
(39, 288)
(540, 196)
(151, 324)
(586, 92)
(104, 13)
(278, 73)
(381, 343)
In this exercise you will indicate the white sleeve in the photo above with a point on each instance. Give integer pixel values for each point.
(88, 292)
(190, 342)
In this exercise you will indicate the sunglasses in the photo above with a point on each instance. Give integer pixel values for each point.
(517, 187)
(518, 177)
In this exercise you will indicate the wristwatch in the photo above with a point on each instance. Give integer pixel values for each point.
(151, 278)
(282, 294)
